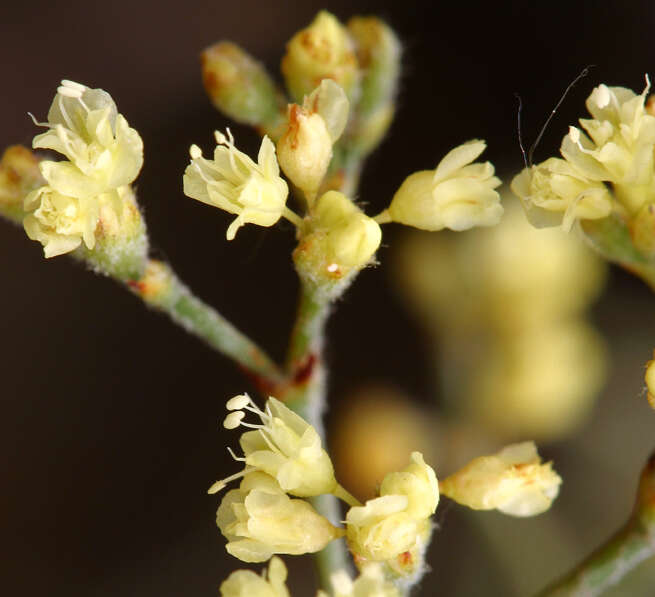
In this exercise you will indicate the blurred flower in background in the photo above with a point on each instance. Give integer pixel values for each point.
(505, 309)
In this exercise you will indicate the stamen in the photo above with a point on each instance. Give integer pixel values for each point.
(216, 487)
(237, 458)
(603, 97)
(83, 104)
(251, 425)
(204, 178)
(269, 442)
(64, 113)
(233, 420)
(34, 120)
(69, 92)
(74, 85)
(238, 402)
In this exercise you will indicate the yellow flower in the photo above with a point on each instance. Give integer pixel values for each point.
(619, 148)
(305, 149)
(259, 519)
(323, 50)
(104, 152)
(245, 583)
(458, 194)
(555, 192)
(284, 446)
(60, 222)
(513, 481)
(397, 521)
(370, 583)
(233, 182)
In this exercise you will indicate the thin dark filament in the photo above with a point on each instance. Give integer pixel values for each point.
(584, 73)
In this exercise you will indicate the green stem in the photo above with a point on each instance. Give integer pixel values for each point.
(306, 395)
(611, 238)
(162, 289)
(633, 544)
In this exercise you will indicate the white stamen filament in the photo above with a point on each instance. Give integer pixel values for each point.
(237, 458)
(64, 113)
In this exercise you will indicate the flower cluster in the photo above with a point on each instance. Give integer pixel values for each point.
(616, 147)
(271, 583)
(104, 155)
(284, 463)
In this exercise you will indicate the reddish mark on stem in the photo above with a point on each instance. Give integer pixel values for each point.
(305, 369)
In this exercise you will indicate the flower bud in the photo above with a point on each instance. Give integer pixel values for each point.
(239, 86)
(321, 51)
(305, 149)
(19, 175)
(260, 520)
(513, 481)
(245, 583)
(457, 195)
(378, 53)
(650, 381)
(340, 239)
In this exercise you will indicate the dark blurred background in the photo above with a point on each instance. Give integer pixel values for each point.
(111, 416)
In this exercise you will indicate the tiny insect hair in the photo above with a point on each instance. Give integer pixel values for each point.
(527, 157)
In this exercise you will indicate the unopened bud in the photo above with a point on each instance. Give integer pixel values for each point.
(378, 53)
(305, 149)
(650, 381)
(19, 175)
(323, 50)
(239, 86)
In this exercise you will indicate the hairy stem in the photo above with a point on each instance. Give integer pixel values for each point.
(306, 394)
(633, 544)
(160, 288)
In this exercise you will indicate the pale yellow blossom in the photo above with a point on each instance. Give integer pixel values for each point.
(513, 481)
(457, 195)
(619, 145)
(554, 192)
(259, 519)
(284, 446)
(246, 583)
(235, 183)
(103, 152)
(395, 522)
